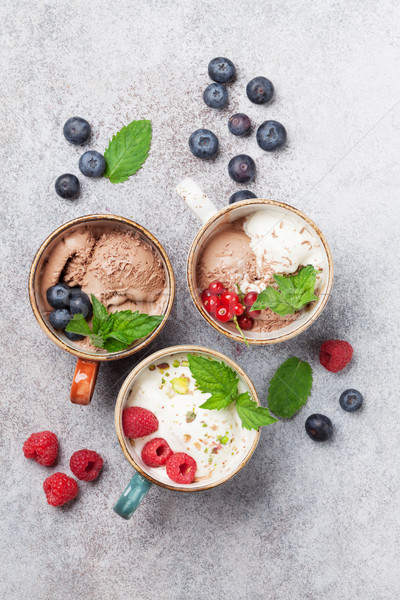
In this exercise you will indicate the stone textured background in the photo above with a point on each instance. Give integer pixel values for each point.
(302, 520)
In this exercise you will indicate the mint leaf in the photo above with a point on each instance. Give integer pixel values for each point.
(134, 325)
(78, 325)
(127, 151)
(271, 298)
(215, 378)
(114, 331)
(112, 344)
(290, 387)
(97, 340)
(294, 292)
(252, 415)
(100, 314)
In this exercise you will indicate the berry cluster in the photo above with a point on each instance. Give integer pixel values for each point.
(77, 131)
(270, 136)
(139, 422)
(59, 488)
(67, 302)
(334, 355)
(226, 306)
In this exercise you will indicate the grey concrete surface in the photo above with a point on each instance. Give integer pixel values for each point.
(301, 521)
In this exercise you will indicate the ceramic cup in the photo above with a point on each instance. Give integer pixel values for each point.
(211, 219)
(146, 476)
(88, 363)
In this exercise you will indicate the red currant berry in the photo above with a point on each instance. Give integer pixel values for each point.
(245, 322)
(250, 298)
(229, 299)
(223, 314)
(252, 313)
(205, 294)
(212, 304)
(216, 288)
(238, 309)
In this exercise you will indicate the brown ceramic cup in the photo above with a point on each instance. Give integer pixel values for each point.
(145, 476)
(211, 219)
(88, 363)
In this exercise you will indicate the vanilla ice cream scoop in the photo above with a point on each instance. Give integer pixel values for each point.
(282, 241)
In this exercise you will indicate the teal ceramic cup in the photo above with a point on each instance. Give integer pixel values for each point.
(216, 462)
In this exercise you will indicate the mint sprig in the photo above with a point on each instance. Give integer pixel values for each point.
(252, 415)
(221, 382)
(290, 387)
(114, 331)
(214, 378)
(294, 292)
(127, 151)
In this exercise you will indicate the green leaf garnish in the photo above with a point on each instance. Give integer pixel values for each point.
(290, 387)
(127, 151)
(114, 331)
(221, 382)
(252, 415)
(295, 291)
(100, 315)
(215, 378)
(79, 325)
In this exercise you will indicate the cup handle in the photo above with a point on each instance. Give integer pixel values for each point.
(132, 496)
(84, 380)
(201, 206)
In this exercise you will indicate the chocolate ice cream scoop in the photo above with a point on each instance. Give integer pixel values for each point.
(121, 267)
(117, 266)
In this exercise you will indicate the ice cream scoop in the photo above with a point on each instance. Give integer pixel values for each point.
(117, 266)
(281, 239)
(130, 260)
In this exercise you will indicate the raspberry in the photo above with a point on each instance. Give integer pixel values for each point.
(59, 489)
(138, 422)
(86, 464)
(42, 447)
(334, 355)
(181, 468)
(156, 452)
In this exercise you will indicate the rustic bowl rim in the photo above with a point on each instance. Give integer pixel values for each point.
(32, 289)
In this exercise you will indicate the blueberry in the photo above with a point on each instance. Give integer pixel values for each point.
(203, 143)
(239, 124)
(215, 95)
(80, 303)
(92, 164)
(241, 195)
(221, 69)
(73, 337)
(260, 90)
(351, 400)
(242, 168)
(60, 318)
(319, 428)
(77, 131)
(271, 135)
(58, 296)
(67, 186)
